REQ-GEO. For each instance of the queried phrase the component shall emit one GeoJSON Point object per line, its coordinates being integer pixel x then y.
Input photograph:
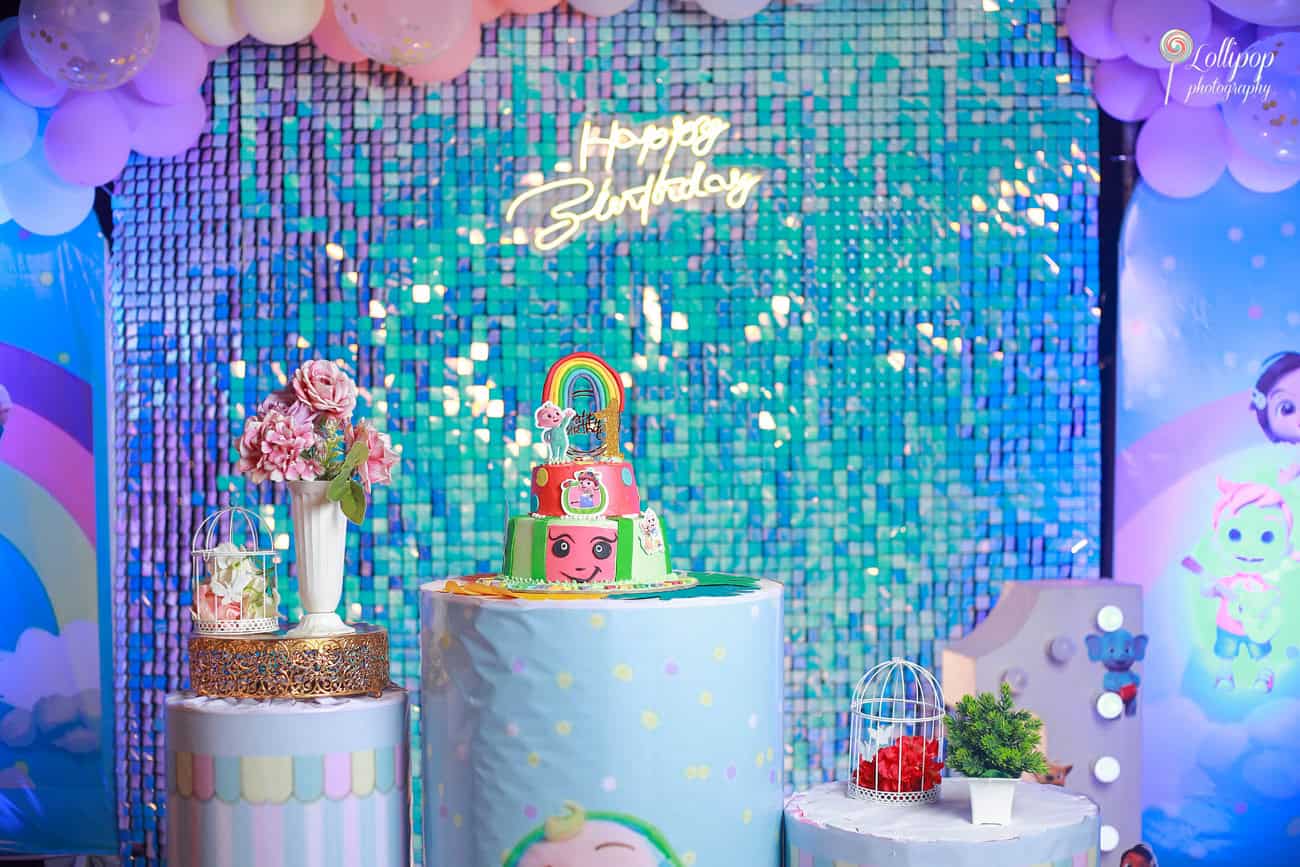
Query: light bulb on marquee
{"type": "Point", "coordinates": [584, 199]}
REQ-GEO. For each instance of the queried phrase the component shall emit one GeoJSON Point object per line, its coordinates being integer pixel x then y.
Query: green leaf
{"type": "Point", "coordinates": [356, 457]}
{"type": "Point", "coordinates": [353, 502]}
{"type": "Point", "coordinates": [338, 488]}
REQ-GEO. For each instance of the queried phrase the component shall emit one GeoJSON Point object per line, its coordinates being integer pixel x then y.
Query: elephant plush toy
{"type": "Point", "coordinates": [1117, 651]}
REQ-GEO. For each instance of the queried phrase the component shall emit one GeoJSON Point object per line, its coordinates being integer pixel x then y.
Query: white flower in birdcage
{"type": "Point", "coordinates": [896, 735]}
{"type": "Point", "coordinates": [234, 574]}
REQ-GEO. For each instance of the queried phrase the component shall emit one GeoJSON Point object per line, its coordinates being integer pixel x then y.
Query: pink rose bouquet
{"type": "Point", "coordinates": [304, 432]}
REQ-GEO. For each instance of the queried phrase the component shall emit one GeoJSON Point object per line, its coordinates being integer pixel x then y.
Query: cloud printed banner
{"type": "Point", "coordinates": [1207, 499]}
{"type": "Point", "coordinates": [56, 722]}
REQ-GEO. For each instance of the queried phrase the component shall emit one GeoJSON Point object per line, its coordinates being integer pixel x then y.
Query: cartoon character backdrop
{"type": "Point", "coordinates": [1207, 499]}
{"type": "Point", "coordinates": [56, 721]}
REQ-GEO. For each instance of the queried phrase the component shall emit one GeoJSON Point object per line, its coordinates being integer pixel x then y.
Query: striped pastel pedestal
{"type": "Point", "coordinates": [1049, 828]}
{"type": "Point", "coordinates": [313, 783]}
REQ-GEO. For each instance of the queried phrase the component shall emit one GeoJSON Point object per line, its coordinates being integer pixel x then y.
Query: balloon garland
{"type": "Point", "coordinates": [1215, 85]}
{"type": "Point", "coordinates": [132, 72]}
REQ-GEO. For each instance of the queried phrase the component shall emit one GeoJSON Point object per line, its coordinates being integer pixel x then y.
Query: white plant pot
{"type": "Point", "coordinates": [320, 532]}
{"type": "Point", "coordinates": [990, 800]}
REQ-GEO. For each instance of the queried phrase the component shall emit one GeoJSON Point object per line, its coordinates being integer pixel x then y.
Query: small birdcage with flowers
{"type": "Point", "coordinates": [897, 730]}
{"type": "Point", "coordinates": [233, 575]}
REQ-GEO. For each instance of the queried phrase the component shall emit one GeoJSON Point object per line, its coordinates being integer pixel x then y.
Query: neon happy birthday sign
{"type": "Point", "coordinates": [581, 200]}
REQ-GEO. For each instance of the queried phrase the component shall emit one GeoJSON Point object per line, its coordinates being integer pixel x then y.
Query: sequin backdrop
{"type": "Point", "coordinates": [877, 382]}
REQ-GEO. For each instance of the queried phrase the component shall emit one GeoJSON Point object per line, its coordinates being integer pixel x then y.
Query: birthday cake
{"type": "Point", "coordinates": [587, 531]}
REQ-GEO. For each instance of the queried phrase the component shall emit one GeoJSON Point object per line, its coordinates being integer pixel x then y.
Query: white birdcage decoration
{"type": "Point", "coordinates": [897, 728]}
{"type": "Point", "coordinates": [233, 575]}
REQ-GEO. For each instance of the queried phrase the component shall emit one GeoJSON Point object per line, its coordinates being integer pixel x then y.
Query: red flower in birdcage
{"type": "Point", "coordinates": [910, 764]}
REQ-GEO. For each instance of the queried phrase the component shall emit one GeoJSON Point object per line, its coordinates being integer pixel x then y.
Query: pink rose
{"type": "Point", "coordinates": [326, 389]}
{"type": "Point", "coordinates": [286, 400]}
{"type": "Point", "coordinates": [272, 447]}
{"type": "Point", "coordinates": [378, 467]}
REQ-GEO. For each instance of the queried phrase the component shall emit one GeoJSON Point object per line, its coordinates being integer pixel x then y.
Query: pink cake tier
{"type": "Point", "coordinates": [585, 487]}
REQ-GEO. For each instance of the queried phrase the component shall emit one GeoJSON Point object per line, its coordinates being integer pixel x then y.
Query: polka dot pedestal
{"type": "Point", "coordinates": [662, 718]}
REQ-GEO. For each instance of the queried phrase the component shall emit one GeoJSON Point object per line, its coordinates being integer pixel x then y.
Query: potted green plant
{"type": "Point", "coordinates": [992, 743]}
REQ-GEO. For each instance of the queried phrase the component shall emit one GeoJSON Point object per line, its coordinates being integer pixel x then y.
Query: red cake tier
{"type": "Point", "coordinates": [585, 488]}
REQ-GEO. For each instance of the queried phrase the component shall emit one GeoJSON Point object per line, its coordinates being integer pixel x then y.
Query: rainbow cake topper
{"type": "Point", "coordinates": [589, 395]}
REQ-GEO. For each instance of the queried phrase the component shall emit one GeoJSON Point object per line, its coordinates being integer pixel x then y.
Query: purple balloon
{"type": "Point", "coordinates": [1262, 176]}
{"type": "Point", "coordinates": [79, 158]}
{"type": "Point", "coordinates": [1205, 77]}
{"type": "Point", "coordinates": [1182, 151]}
{"type": "Point", "coordinates": [1126, 91]}
{"type": "Point", "coordinates": [163, 130]}
{"type": "Point", "coordinates": [1266, 123]}
{"type": "Point", "coordinates": [22, 77]}
{"type": "Point", "coordinates": [177, 68]}
{"type": "Point", "coordinates": [1141, 24]}
{"type": "Point", "coordinates": [1273, 13]}
{"type": "Point", "coordinates": [1088, 23]}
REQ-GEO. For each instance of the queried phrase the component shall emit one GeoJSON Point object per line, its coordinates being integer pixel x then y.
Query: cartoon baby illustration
{"type": "Point", "coordinates": [581, 839]}
{"type": "Point", "coordinates": [580, 552]}
{"type": "Point", "coordinates": [588, 490]}
{"type": "Point", "coordinates": [554, 424]}
{"type": "Point", "coordinates": [1276, 403]}
{"type": "Point", "coordinates": [648, 532]}
{"type": "Point", "coordinates": [1250, 549]}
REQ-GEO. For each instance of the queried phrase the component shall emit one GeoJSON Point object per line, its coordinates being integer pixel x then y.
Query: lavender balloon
{"type": "Point", "coordinates": [1088, 23]}
{"type": "Point", "coordinates": [1141, 24]}
{"type": "Point", "coordinates": [89, 44]}
{"type": "Point", "coordinates": [38, 200]}
{"type": "Point", "coordinates": [163, 130]}
{"type": "Point", "coordinates": [1182, 151]}
{"type": "Point", "coordinates": [733, 10]}
{"type": "Point", "coordinates": [1127, 91]}
{"type": "Point", "coordinates": [79, 158]}
{"type": "Point", "coordinates": [18, 125]}
{"type": "Point", "coordinates": [601, 8]}
{"type": "Point", "coordinates": [1266, 122]}
{"type": "Point", "coordinates": [1262, 176]}
{"type": "Point", "coordinates": [177, 69]}
{"type": "Point", "coordinates": [1274, 13]}
{"type": "Point", "coordinates": [22, 77]}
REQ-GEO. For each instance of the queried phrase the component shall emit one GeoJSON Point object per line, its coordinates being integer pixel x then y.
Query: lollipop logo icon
{"type": "Point", "coordinates": [1176, 45]}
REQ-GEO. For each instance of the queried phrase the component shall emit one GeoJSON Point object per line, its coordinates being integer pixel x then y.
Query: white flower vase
{"type": "Point", "coordinates": [320, 533]}
{"type": "Point", "coordinates": [991, 799]}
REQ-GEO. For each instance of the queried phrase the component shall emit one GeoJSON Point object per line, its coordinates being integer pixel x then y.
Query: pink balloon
{"type": "Point", "coordinates": [1140, 25]}
{"type": "Point", "coordinates": [1262, 176]}
{"type": "Point", "coordinates": [163, 130]}
{"type": "Point", "coordinates": [489, 10]}
{"type": "Point", "coordinates": [452, 62]}
{"type": "Point", "coordinates": [1183, 151]}
{"type": "Point", "coordinates": [732, 10]}
{"type": "Point", "coordinates": [1088, 23]}
{"type": "Point", "coordinates": [404, 32]}
{"type": "Point", "coordinates": [531, 7]}
{"type": "Point", "coordinates": [332, 41]}
{"type": "Point", "coordinates": [1126, 91]}
{"type": "Point", "coordinates": [601, 8]}
{"type": "Point", "coordinates": [177, 68]}
{"type": "Point", "coordinates": [81, 158]}
{"type": "Point", "coordinates": [22, 77]}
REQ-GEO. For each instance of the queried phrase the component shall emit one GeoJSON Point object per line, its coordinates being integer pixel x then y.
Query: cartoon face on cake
{"type": "Point", "coordinates": [576, 839]}
{"type": "Point", "coordinates": [580, 552]}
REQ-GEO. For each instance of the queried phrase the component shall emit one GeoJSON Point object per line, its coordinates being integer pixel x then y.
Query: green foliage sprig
{"type": "Point", "coordinates": [989, 737]}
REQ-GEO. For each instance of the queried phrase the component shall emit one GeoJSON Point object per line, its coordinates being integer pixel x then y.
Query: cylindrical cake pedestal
{"type": "Point", "coordinates": [1050, 827]}
{"type": "Point", "coordinates": [283, 782]}
{"type": "Point", "coordinates": [660, 719]}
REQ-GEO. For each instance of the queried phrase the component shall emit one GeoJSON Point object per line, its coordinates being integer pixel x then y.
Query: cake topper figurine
{"type": "Point", "coordinates": [554, 423]}
{"type": "Point", "coordinates": [586, 388]}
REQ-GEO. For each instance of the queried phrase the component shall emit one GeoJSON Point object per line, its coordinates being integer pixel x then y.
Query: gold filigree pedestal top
{"type": "Point", "coordinates": [276, 666]}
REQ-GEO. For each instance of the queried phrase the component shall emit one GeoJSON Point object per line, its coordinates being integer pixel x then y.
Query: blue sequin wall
{"type": "Point", "coordinates": [877, 381]}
